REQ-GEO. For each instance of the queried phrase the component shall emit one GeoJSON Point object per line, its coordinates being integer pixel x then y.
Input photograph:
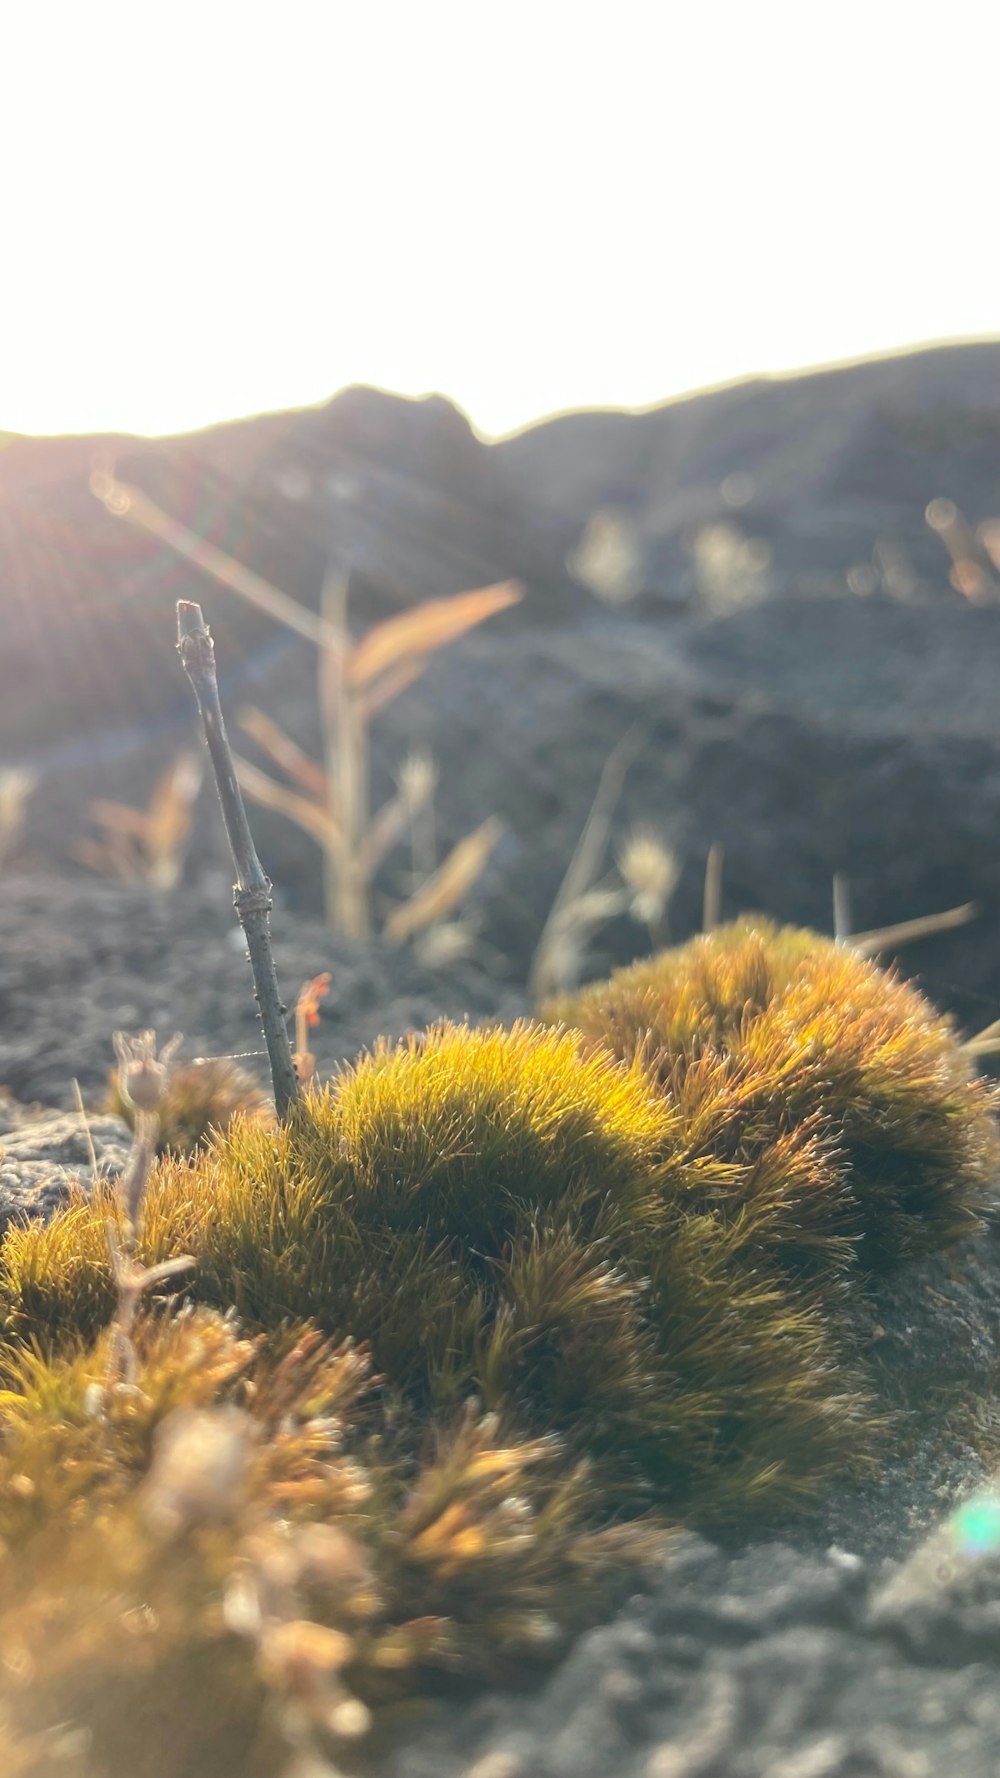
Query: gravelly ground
{"type": "Point", "coordinates": [767, 1664]}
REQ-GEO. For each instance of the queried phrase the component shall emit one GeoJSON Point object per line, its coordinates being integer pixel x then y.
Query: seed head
{"type": "Point", "coordinates": [651, 872]}
{"type": "Point", "coordinates": [142, 1074]}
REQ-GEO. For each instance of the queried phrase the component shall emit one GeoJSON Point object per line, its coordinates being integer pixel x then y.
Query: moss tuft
{"type": "Point", "coordinates": [463, 1337]}
{"type": "Point", "coordinates": [496, 1216]}
{"type": "Point", "coordinates": [55, 1277]}
{"type": "Point", "coordinates": [756, 1033]}
{"type": "Point", "coordinates": [198, 1097]}
{"type": "Point", "coordinates": [219, 1563]}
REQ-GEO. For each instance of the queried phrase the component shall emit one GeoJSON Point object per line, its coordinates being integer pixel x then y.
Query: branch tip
{"type": "Point", "coordinates": [189, 619]}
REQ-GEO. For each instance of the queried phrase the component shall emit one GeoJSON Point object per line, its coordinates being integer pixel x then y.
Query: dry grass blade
{"type": "Point", "coordinates": [463, 865]}
{"type": "Point", "coordinates": [399, 679]}
{"type": "Point", "coordinates": [170, 817]}
{"type": "Point", "coordinates": [985, 1042]}
{"type": "Point", "coordinates": [272, 795]}
{"type": "Point", "coordinates": [711, 902]}
{"type": "Point", "coordinates": [88, 1134]}
{"type": "Point", "coordinates": [558, 967]}
{"type": "Point", "coordinates": [417, 784]}
{"type": "Point", "coordinates": [118, 818]}
{"type": "Point", "coordinates": [16, 786]}
{"type": "Point", "coordinates": [387, 829]}
{"type": "Point", "coordinates": [424, 629]}
{"type": "Point", "coordinates": [147, 845]}
{"type": "Point", "coordinates": [592, 909]}
{"type": "Point", "coordinates": [345, 757]}
{"type": "Point", "coordinates": [548, 968]}
{"type": "Point", "coordinates": [589, 851]}
{"type": "Point", "coordinates": [112, 856]}
{"type": "Point", "coordinates": [842, 908]}
{"type": "Point", "coordinates": [284, 751]}
{"type": "Point", "coordinates": [886, 938]}
{"type": "Point", "coordinates": [126, 501]}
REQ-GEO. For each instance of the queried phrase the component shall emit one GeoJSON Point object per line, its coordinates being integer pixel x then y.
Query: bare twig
{"type": "Point", "coordinates": [143, 1076]}
{"type": "Point", "coordinates": [252, 892]}
{"type": "Point", "coordinates": [132, 1281]}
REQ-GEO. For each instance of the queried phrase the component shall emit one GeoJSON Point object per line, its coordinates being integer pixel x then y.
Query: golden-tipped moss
{"type": "Point", "coordinates": [198, 1097]}
{"type": "Point", "coordinates": [756, 1032]}
{"type": "Point", "coordinates": [502, 1293]}
{"type": "Point", "coordinates": [496, 1215]}
{"type": "Point", "coordinates": [216, 1563]}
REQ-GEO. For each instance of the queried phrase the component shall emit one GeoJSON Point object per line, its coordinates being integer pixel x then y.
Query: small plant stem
{"type": "Point", "coordinates": [842, 917]}
{"type": "Point", "coordinates": [545, 975]}
{"type": "Point", "coordinates": [345, 741]}
{"type": "Point", "coordinates": [252, 891]}
{"type": "Point", "coordinates": [711, 904]}
{"type": "Point", "coordinates": [132, 1186]}
{"type": "Point", "coordinates": [423, 842]}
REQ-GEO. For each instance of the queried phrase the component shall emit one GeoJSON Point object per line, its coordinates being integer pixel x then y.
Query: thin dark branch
{"type": "Point", "coordinates": [252, 891]}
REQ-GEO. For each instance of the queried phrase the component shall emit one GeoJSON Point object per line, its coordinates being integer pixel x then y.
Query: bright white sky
{"type": "Point", "coordinates": [214, 208]}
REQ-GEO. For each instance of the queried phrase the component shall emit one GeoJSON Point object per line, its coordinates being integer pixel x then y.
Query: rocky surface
{"type": "Point", "coordinates": [76, 968]}
{"type": "Point", "coordinates": [830, 475]}
{"type": "Point", "coordinates": [809, 716]}
{"type": "Point", "coordinates": [42, 1152]}
{"type": "Point", "coordinates": [767, 1664]}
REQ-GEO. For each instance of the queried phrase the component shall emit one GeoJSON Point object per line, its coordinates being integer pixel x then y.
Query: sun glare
{"type": "Point", "coordinates": [214, 210]}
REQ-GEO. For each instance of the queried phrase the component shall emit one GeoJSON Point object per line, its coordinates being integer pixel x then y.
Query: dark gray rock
{"type": "Point", "coordinates": [943, 1602]}
{"type": "Point", "coordinates": [818, 731]}
{"type": "Point", "coordinates": [42, 1152]}
{"type": "Point", "coordinates": [764, 1665]}
{"type": "Point", "coordinates": [86, 958]}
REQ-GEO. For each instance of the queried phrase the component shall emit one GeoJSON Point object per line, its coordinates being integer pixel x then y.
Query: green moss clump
{"type": "Point", "coordinates": [781, 1030]}
{"type": "Point", "coordinates": [198, 1097]}
{"type": "Point", "coordinates": [55, 1277]}
{"type": "Point", "coordinates": [513, 1303]}
{"type": "Point", "coordinates": [496, 1216]}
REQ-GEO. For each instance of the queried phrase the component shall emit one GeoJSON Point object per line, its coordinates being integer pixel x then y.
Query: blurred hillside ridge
{"type": "Point", "coordinates": [797, 486]}
{"type": "Point", "coordinates": [793, 585]}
